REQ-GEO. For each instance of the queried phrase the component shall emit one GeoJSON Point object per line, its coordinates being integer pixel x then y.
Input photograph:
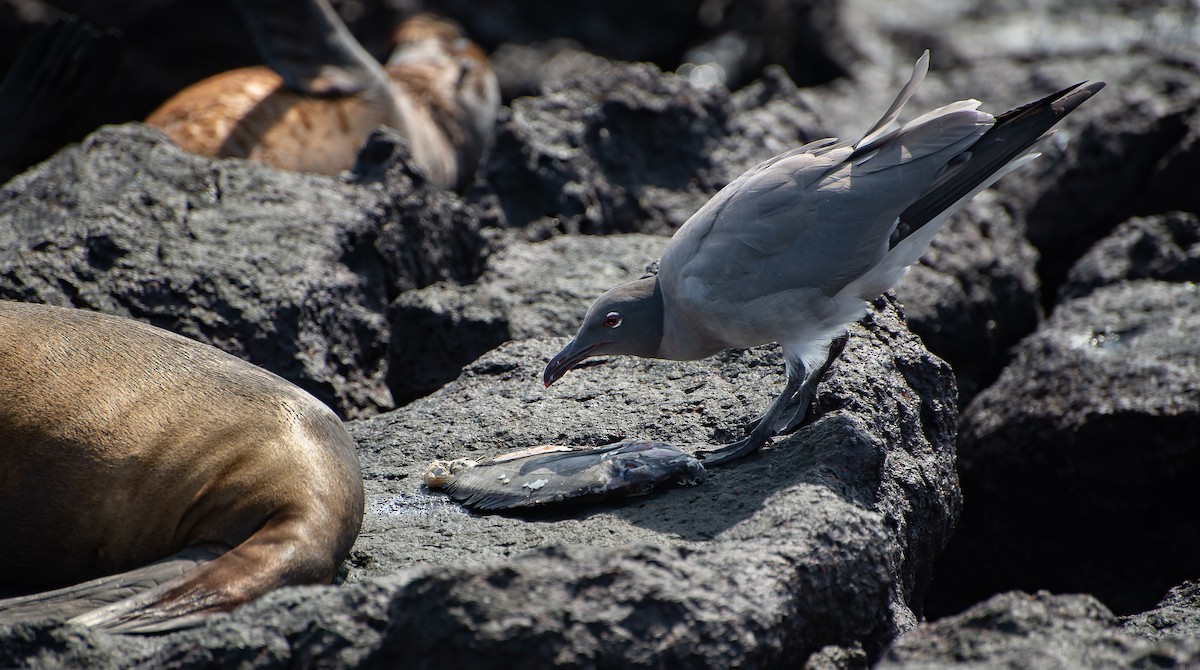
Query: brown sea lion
{"type": "Point", "coordinates": [122, 445]}
{"type": "Point", "coordinates": [323, 94]}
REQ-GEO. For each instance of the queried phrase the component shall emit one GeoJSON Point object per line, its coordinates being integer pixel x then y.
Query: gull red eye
{"type": "Point", "coordinates": [612, 320]}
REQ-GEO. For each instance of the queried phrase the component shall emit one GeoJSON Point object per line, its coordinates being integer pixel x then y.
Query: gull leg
{"type": "Point", "coordinates": [787, 410]}
{"type": "Point", "coordinates": [764, 430]}
{"type": "Point", "coordinates": [798, 408]}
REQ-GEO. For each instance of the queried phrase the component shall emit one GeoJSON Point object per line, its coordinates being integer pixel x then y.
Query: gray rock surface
{"type": "Point", "coordinates": [1165, 247]}
{"type": "Point", "coordinates": [1045, 631]}
{"type": "Point", "coordinates": [972, 296]}
{"type": "Point", "coordinates": [1130, 151]}
{"type": "Point", "coordinates": [590, 168]}
{"type": "Point", "coordinates": [1177, 616]}
{"type": "Point", "coordinates": [292, 272]}
{"type": "Point", "coordinates": [1087, 450]}
{"type": "Point", "coordinates": [526, 290]}
{"type": "Point", "coordinates": [1119, 159]}
{"type": "Point", "coordinates": [1078, 453]}
{"type": "Point", "coordinates": [627, 148]}
{"type": "Point", "coordinates": [826, 539]}
{"type": "Point", "coordinates": [975, 292]}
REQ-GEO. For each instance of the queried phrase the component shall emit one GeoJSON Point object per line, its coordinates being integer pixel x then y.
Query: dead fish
{"type": "Point", "coordinates": [551, 474]}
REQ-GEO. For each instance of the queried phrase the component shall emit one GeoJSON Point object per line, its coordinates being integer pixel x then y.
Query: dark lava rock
{"type": "Point", "coordinates": [1079, 464]}
{"type": "Point", "coordinates": [1177, 616]}
{"type": "Point", "coordinates": [527, 69]}
{"type": "Point", "coordinates": [170, 44]}
{"type": "Point", "coordinates": [526, 290]}
{"type": "Point", "coordinates": [1129, 151]}
{"type": "Point", "coordinates": [1019, 630]}
{"type": "Point", "coordinates": [808, 38]}
{"type": "Point", "coordinates": [975, 292]}
{"type": "Point", "coordinates": [628, 30]}
{"type": "Point", "coordinates": [1077, 460]}
{"type": "Point", "coordinates": [967, 33]}
{"type": "Point", "coordinates": [61, 71]}
{"type": "Point", "coordinates": [292, 272]}
{"type": "Point", "coordinates": [167, 45]}
{"type": "Point", "coordinates": [1163, 247]}
{"type": "Point", "coordinates": [628, 148]}
{"type": "Point", "coordinates": [1127, 155]}
{"type": "Point", "coordinates": [972, 296]}
{"type": "Point", "coordinates": [657, 148]}
{"type": "Point", "coordinates": [823, 543]}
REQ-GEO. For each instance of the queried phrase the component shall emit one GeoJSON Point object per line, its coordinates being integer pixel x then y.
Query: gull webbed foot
{"type": "Point", "coordinates": [750, 444]}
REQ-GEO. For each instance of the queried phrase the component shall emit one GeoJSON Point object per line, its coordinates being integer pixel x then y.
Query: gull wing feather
{"type": "Point", "coordinates": [807, 223]}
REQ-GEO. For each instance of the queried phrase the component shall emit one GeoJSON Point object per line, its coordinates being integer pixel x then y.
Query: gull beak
{"type": "Point", "coordinates": [569, 357]}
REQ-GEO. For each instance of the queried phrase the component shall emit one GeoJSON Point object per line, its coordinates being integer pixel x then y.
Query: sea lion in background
{"type": "Point", "coordinates": [323, 94]}
{"type": "Point", "coordinates": [122, 444]}
{"type": "Point", "coordinates": [61, 70]}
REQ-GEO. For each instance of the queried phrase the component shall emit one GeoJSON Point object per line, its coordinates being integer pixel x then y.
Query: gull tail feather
{"type": "Point", "coordinates": [1000, 150]}
{"type": "Point", "coordinates": [1009, 138]}
{"type": "Point", "coordinates": [876, 133]}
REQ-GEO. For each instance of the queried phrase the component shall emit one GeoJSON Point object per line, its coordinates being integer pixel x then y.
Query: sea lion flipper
{"type": "Point", "coordinates": [79, 599]}
{"type": "Point", "coordinates": [309, 46]}
{"type": "Point", "coordinates": [237, 576]}
{"type": "Point", "coordinates": [59, 71]}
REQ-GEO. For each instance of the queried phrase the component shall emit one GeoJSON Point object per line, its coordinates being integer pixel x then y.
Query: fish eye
{"type": "Point", "coordinates": [612, 320]}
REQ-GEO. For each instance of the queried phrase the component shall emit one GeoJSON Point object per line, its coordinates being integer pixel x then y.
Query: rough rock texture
{"type": "Point", "coordinates": [627, 148]}
{"type": "Point", "coordinates": [1121, 159]}
{"type": "Point", "coordinates": [1082, 435]}
{"type": "Point", "coordinates": [1177, 616]}
{"type": "Point", "coordinates": [825, 539]}
{"type": "Point", "coordinates": [1163, 247]}
{"type": "Point", "coordinates": [659, 147]}
{"type": "Point", "coordinates": [1130, 151]}
{"type": "Point", "coordinates": [1087, 449]}
{"type": "Point", "coordinates": [974, 294]}
{"type": "Point", "coordinates": [292, 272]}
{"type": "Point", "coordinates": [1019, 630]}
{"type": "Point", "coordinates": [526, 290]}
{"type": "Point", "coordinates": [170, 44]}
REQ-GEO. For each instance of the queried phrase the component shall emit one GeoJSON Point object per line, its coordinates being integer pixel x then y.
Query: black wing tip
{"type": "Point", "coordinates": [1060, 103]}
{"type": "Point", "coordinates": [1076, 96]}
{"type": "Point", "coordinates": [1011, 135]}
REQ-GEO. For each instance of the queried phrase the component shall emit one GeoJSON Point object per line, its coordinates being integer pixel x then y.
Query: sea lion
{"type": "Point", "coordinates": [124, 444]}
{"type": "Point", "coordinates": [323, 94]}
